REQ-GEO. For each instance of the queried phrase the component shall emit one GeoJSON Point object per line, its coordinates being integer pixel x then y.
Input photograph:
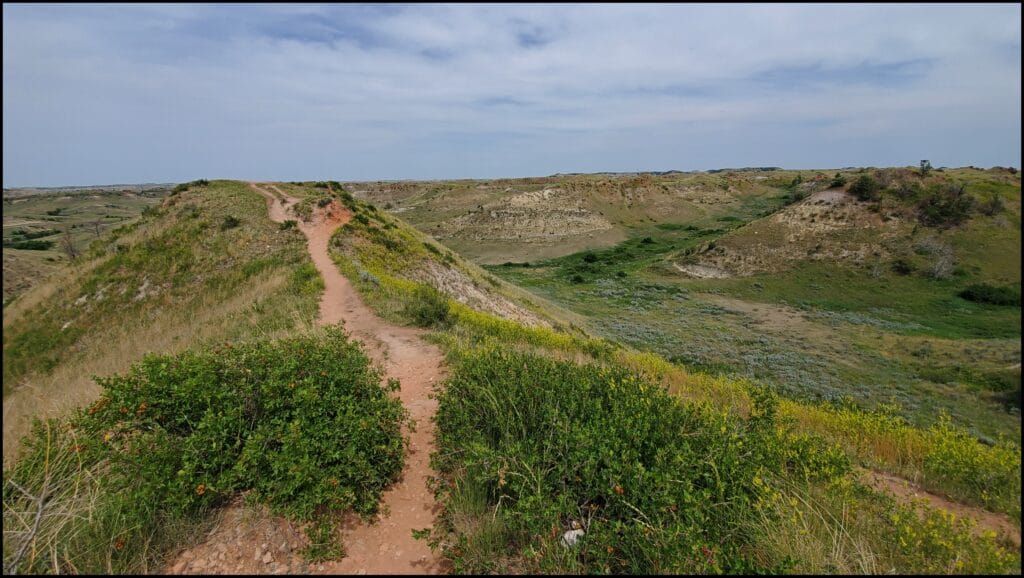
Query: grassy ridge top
{"type": "Point", "coordinates": [204, 266]}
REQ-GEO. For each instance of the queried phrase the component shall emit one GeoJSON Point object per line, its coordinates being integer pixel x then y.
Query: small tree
{"type": "Point", "coordinates": [926, 166]}
{"type": "Point", "coordinates": [68, 245]}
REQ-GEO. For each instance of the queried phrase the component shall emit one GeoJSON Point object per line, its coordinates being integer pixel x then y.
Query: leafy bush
{"type": "Point", "coordinates": [991, 476]}
{"type": "Point", "coordinates": [428, 307]}
{"type": "Point", "coordinates": [348, 200]}
{"type": "Point", "coordinates": [181, 188]}
{"type": "Point", "coordinates": [992, 206]}
{"type": "Point", "coordinates": [866, 188]}
{"type": "Point", "coordinates": [589, 257]}
{"type": "Point", "coordinates": [29, 245]}
{"type": "Point", "coordinates": [303, 423]}
{"type": "Point", "coordinates": [288, 224]}
{"type": "Point", "coordinates": [229, 222]}
{"type": "Point", "coordinates": [902, 267]}
{"type": "Point", "coordinates": [657, 486]}
{"type": "Point", "coordinates": [945, 206]}
{"type": "Point", "coordinates": [985, 293]}
{"type": "Point", "coordinates": [23, 234]}
{"type": "Point", "coordinates": [837, 181]}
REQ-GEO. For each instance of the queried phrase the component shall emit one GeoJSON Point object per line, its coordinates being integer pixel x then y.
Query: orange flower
{"type": "Point", "coordinates": [201, 489]}
{"type": "Point", "coordinates": [142, 409]}
{"type": "Point", "coordinates": [124, 409]}
{"type": "Point", "coordinates": [333, 482]}
{"type": "Point", "coordinates": [610, 550]}
{"type": "Point", "coordinates": [119, 544]}
{"type": "Point", "coordinates": [619, 490]}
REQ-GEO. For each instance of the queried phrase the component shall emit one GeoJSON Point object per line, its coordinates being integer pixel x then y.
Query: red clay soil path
{"type": "Point", "coordinates": [384, 547]}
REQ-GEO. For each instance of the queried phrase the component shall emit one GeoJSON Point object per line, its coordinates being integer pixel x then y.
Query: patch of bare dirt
{"type": "Point", "coordinates": [532, 216]}
{"type": "Point", "coordinates": [385, 546]}
{"type": "Point", "coordinates": [703, 271]}
{"type": "Point", "coordinates": [906, 492]}
{"type": "Point", "coordinates": [461, 288]}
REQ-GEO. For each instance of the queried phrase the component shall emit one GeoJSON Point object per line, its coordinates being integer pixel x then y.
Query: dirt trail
{"type": "Point", "coordinates": [904, 491]}
{"type": "Point", "coordinates": [240, 545]}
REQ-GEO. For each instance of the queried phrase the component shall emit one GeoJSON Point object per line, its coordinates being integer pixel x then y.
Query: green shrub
{"type": "Point", "coordinates": [428, 307]}
{"type": "Point", "coordinates": [29, 245]}
{"type": "Point", "coordinates": [288, 224]}
{"type": "Point", "coordinates": [837, 181]}
{"type": "Point", "coordinates": [945, 206]}
{"type": "Point", "coordinates": [902, 267]}
{"type": "Point", "coordinates": [985, 293]}
{"type": "Point", "coordinates": [349, 200]}
{"type": "Point", "coordinates": [992, 206]}
{"type": "Point", "coordinates": [657, 485]}
{"type": "Point", "coordinates": [229, 222]}
{"type": "Point", "coordinates": [866, 188]}
{"type": "Point", "coordinates": [589, 258]}
{"type": "Point", "coordinates": [990, 475]}
{"type": "Point", "coordinates": [304, 424]}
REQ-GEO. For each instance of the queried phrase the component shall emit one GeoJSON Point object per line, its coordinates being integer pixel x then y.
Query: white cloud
{"type": "Point", "coordinates": [356, 92]}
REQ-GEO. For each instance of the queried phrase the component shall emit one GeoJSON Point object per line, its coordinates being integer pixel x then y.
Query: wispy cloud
{"type": "Point", "coordinates": [170, 92]}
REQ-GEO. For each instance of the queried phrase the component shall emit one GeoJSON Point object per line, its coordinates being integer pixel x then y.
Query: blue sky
{"type": "Point", "coordinates": [168, 93]}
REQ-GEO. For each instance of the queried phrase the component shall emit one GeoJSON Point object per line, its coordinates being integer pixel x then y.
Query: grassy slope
{"type": "Point", "coordinates": [629, 205]}
{"type": "Point", "coordinates": [173, 280]}
{"type": "Point", "coordinates": [819, 330]}
{"type": "Point", "coordinates": [82, 213]}
{"type": "Point", "coordinates": [477, 540]}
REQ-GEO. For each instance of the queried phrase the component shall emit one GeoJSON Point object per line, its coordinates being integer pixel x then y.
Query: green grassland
{"type": "Point", "coordinates": [85, 215]}
{"type": "Point", "coordinates": [573, 416]}
{"type": "Point", "coordinates": [818, 330]}
{"type": "Point", "coordinates": [542, 430]}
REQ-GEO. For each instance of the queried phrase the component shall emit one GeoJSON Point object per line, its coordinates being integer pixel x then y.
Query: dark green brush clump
{"type": "Point", "coordinates": [303, 425]}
